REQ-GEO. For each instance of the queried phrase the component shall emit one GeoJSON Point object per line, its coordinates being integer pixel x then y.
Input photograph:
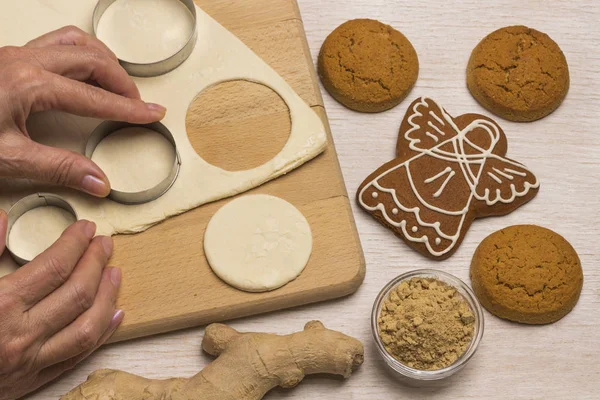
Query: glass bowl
{"type": "Point", "coordinates": [415, 375]}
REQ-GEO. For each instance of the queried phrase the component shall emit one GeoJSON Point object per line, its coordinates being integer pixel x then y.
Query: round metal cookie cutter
{"type": "Point", "coordinates": [159, 67]}
{"type": "Point", "coordinates": [29, 203]}
{"type": "Point", "coordinates": [108, 127]}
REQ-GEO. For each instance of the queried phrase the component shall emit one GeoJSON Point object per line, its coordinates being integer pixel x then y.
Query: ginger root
{"type": "Point", "coordinates": [248, 366]}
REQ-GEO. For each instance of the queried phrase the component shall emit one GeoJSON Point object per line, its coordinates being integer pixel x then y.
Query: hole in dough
{"type": "Point", "coordinates": [135, 158]}
{"type": "Point", "coordinates": [238, 125]}
{"type": "Point", "coordinates": [38, 229]}
{"type": "Point", "coordinates": [145, 31]}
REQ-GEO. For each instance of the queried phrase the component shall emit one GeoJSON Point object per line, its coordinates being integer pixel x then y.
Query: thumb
{"type": "Point", "coordinates": [65, 168]}
{"type": "Point", "coordinates": [3, 227]}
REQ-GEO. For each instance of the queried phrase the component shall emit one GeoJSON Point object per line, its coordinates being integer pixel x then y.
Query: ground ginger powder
{"type": "Point", "coordinates": [426, 324]}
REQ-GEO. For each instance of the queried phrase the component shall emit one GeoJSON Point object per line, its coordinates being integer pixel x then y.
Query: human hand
{"type": "Point", "coordinates": [71, 71]}
{"type": "Point", "coordinates": [56, 310]}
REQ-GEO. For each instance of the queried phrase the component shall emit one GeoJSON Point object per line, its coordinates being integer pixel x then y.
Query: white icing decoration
{"type": "Point", "coordinates": [433, 178]}
{"type": "Point", "coordinates": [438, 119]}
{"type": "Point", "coordinates": [470, 165]}
{"type": "Point", "coordinates": [494, 177]}
{"type": "Point", "coordinates": [441, 189]}
{"type": "Point", "coordinates": [512, 171]}
{"type": "Point", "coordinates": [507, 176]}
{"type": "Point", "coordinates": [425, 203]}
{"type": "Point", "coordinates": [432, 136]}
{"type": "Point", "coordinates": [375, 195]}
{"type": "Point", "coordinates": [395, 211]}
{"type": "Point", "coordinates": [436, 128]}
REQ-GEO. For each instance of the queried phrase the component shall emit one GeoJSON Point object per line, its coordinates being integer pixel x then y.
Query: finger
{"type": "Point", "coordinates": [50, 373]}
{"type": "Point", "coordinates": [52, 268]}
{"type": "Point", "coordinates": [70, 36]}
{"type": "Point", "coordinates": [115, 322]}
{"type": "Point", "coordinates": [86, 63]}
{"type": "Point", "coordinates": [58, 166]}
{"type": "Point", "coordinates": [76, 295]}
{"type": "Point", "coordinates": [3, 227]}
{"type": "Point", "coordinates": [86, 332]}
{"type": "Point", "coordinates": [58, 92]}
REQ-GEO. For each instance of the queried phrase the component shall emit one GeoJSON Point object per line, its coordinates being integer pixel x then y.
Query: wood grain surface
{"type": "Point", "coordinates": [558, 361]}
{"type": "Point", "coordinates": [231, 125]}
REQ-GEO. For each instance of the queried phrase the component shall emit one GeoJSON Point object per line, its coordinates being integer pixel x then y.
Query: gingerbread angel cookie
{"type": "Point", "coordinates": [449, 171]}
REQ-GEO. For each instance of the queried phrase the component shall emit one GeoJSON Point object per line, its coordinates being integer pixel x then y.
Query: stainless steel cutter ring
{"type": "Point", "coordinates": [26, 204]}
{"type": "Point", "coordinates": [160, 67]}
{"type": "Point", "coordinates": [145, 196]}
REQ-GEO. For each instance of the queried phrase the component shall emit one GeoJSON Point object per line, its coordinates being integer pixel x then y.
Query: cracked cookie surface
{"type": "Point", "coordinates": [368, 66]}
{"type": "Point", "coordinates": [518, 73]}
{"type": "Point", "coordinates": [527, 274]}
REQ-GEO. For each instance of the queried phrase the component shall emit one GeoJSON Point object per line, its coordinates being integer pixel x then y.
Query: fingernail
{"type": "Point", "coordinates": [95, 186]}
{"type": "Point", "coordinates": [157, 108]}
{"type": "Point", "coordinates": [115, 276]}
{"type": "Point", "coordinates": [90, 229]}
{"type": "Point", "coordinates": [116, 319]}
{"type": "Point", "coordinates": [107, 243]}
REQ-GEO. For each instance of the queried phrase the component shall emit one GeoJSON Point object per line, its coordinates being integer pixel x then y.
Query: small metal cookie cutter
{"type": "Point", "coordinates": [28, 203]}
{"type": "Point", "coordinates": [160, 67]}
{"type": "Point", "coordinates": [145, 196]}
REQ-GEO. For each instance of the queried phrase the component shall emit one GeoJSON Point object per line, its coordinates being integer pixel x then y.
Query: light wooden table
{"type": "Point", "coordinates": [559, 361]}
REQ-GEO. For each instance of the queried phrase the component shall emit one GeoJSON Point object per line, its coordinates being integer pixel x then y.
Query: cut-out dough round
{"type": "Point", "coordinates": [135, 159]}
{"type": "Point", "coordinates": [258, 243]}
{"type": "Point", "coordinates": [145, 31]}
{"type": "Point", "coordinates": [38, 229]}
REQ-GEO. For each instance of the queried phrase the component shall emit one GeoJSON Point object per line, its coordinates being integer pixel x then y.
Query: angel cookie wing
{"type": "Point", "coordinates": [425, 125]}
{"type": "Point", "coordinates": [504, 185]}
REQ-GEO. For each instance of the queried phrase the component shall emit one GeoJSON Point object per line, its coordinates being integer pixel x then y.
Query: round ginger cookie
{"type": "Point", "coordinates": [518, 73]}
{"type": "Point", "coordinates": [368, 66]}
{"type": "Point", "coordinates": [527, 274]}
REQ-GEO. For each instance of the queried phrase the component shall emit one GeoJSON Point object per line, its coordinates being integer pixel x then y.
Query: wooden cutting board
{"type": "Point", "coordinates": [167, 283]}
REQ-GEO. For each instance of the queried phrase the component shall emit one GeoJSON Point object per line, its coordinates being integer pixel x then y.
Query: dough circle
{"type": "Point", "coordinates": [258, 243]}
{"type": "Point", "coordinates": [145, 31]}
{"type": "Point", "coordinates": [135, 159]}
{"type": "Point", "coordinates": [36, 230]}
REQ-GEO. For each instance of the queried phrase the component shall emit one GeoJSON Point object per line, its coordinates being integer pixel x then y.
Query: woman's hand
{"type": "Point", "coordinates": [56, 310]}
{"type": "Point", "coordinates": [71, 71]}
{"type": "Point", "coordinates": [60, 307]}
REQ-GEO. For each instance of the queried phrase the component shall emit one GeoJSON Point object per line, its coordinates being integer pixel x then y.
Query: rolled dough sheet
{"type": "Point", "coordinates": [219, 56]}
{"type": "Point", "coordinates": [258, 243]}
{"type": "Point", "coordinates": [145, 31]}
{"type": "Point", "coordinates": [37, 230]}
{"type": "Point", "coordinates": [135, 159]}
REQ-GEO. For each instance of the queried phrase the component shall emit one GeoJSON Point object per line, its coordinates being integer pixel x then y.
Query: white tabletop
{"type": "Point", "coordinates": [514, 361]}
